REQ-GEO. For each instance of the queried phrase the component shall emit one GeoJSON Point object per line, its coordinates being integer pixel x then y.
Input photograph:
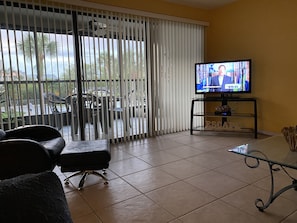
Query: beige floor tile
{"type": "Point", "coordinates": [244, 199]}
{"type": "Point", "coordinates": [174, 135]}
{"type": "Point", "coordinates": [128, 166]}
{"type": "Point", "coordinates": [182, 169]}
{"type": "Point", "coordinates": [159, 158]}
{"type": "Point", "coordinates": [175, 221]}
{"type": "Point", "coordinates": [77, 205]}
{"type": "Point", "coordinates": [57, 171]}
{"type": "Point", "coordinates": [239, 170]}
{"type": "Point", "coordinates": [291, 172]}
{"type": "Point", "coordinates": [90, 180]}
{"type": "Point", "coordinates": [129, 144]}
{"type": "Point", "coordinates": [211, 160]}
{"type": "Point", "coordinates": [224, 154]}
{"type": "Point", "coordinates": [142, 149]}
{"type": "Point", "coordinates": [291, 218]}
{"type": "Point", "coordinates": [66, 187]}
{"type": "Point", "coordinates": [183, 151]}
{"type": "Point", "coordinates": [180, 198]}
{"type": "Point", "coordinates": [119, 154]}
{"type": "Point", "coordinates": [281, 180]}
{"type": "Point", "coordinates": [135, 210]}
{"type": "Point", "coordinates": [180, 178]}
{"type": "Point", "coordinates": [218, 212]}
{"type": "Point", "coordinates": [214, 143]}
{"type": "Point", "coordinates": [163, 144]}
{"type": "Point", "coordinates": [100, 196]}
{"type": "Point", "coordinates": [90, 218]}
{"type": "Point", "coordinates": [150, 179]}
{"type": "Point", "coordinates": [215, 183]}
{"type": "Point", "coordinates": [206, 145]}
{"type": "Point", "coordinates": [189, 139]}
{"type": "Point", "coordinates": [230, 141]}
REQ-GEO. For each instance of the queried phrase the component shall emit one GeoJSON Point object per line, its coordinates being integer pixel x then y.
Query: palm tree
{"type": "Point", "coordinates": [38, 45]}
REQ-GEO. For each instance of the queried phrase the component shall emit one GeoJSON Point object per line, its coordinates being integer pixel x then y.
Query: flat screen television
{"type": "Point", "coordinates": [223, 77]}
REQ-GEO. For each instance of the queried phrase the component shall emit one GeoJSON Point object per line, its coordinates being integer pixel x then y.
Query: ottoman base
{"type": "Point", "coordinates": [84, 174]}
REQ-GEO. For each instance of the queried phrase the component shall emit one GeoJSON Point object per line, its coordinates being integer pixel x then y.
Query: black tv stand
{"type": "Point", "coordinates": [246, 109]}
{"type": "Point", "coordinates": [223, 96]}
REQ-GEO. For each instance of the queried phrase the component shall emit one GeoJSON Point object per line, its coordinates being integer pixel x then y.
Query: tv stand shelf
{"type": "Point", "coordinates": [224, 125]}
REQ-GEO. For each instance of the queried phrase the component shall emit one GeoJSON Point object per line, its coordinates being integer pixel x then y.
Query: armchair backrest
{"type": "Point", "coordinates": [34, 132]}
{"type": "Point", "coordinates": [20, 156]}
{"type": "Point", "coordinates": [29, 149]}
{"type": "Point", "coordinates": [2, 134]}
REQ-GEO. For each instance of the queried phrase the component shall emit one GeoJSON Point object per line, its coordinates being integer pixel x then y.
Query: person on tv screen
{"type": "Point", "coordinates": [247, 82]}
{"type": "Point", "coordinates": [219, 81]}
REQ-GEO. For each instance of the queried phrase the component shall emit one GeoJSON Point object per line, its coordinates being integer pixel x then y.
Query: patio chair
{"type": "Point", "coordinates": [112, 109]}
{"type": "Point", "coordinates": [91, 109]}
{"type": "Point", "coordinates": [55, 103]}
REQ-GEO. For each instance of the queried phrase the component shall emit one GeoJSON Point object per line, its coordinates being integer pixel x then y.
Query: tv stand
{"type": "Point", "coordinates": [223, 96]}
{"type": "Point", "coordinates": [224, 122]}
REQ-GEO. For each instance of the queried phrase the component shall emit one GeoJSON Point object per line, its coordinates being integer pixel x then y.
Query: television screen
{"type": "Point", "coordinates": [223, 77]}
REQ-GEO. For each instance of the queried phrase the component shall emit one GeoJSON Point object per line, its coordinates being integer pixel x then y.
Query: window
{"type": "Point", "coordinates": [139, 69]}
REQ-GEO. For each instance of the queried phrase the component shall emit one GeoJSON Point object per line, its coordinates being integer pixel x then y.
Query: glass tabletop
{"type": "Point", "coordinates": [274, 149]}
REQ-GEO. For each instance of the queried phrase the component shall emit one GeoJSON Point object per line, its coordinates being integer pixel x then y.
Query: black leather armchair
{"type": "Point", "coordinates": [29, 149]}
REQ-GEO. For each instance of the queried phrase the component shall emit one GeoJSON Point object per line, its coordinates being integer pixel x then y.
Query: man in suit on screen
{"type": "Point", "coordinates": [219, 81]}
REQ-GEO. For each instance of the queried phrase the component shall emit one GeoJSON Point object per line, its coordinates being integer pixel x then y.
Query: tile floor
{"type": "Point", "coordinates": [180, 178]}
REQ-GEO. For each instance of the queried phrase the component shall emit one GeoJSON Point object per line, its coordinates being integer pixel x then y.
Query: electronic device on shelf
{"type": "Point", "coordinates": [226, 78]}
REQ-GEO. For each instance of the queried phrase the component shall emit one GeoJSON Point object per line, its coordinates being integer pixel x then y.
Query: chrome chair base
{"type": "Point", "coordinates": [84, 174]}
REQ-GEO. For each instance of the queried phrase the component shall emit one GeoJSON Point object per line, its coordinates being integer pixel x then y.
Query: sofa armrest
{"type": "Point", "coordinates": [34, 198]}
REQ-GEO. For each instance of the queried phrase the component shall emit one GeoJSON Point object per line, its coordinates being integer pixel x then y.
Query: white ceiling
{"type": "Point", "coordinates": [204, 4]}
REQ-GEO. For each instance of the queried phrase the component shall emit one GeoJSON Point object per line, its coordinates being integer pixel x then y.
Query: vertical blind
{"type": "Point", "coordinates": [141, 69]}
{"type": "Point", "coordinates": [176, 47]}
{"type": "Point", "coordinates": [116, 45]}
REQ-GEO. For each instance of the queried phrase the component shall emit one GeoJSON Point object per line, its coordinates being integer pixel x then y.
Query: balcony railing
{"type": "Point", "coordinates": [21, 107]}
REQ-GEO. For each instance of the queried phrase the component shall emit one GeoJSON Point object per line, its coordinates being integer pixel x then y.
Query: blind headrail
{"type": "Point", "coordinates": [132, 11]}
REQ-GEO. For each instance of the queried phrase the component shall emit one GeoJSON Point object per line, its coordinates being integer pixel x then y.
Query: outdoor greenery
{"type": "Point", "coordinates": [39, 46]}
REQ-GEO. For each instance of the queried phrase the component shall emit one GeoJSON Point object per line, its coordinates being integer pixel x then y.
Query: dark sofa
{"type": "Point", "coordinates": [34, 198]}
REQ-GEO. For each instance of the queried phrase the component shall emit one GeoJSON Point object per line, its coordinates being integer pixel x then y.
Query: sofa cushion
{"type": "Point", "coordinates": [33, 198]}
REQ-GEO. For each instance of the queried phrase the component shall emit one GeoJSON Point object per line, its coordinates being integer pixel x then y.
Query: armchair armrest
{"type": "Point", "coordinates": [20, 156]}
{"type": "Point", "coordinates": [34, 198]}
{"type": "Point", "coordinates": [34, 132]}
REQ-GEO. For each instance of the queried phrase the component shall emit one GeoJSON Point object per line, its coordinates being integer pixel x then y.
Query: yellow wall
{"type": "Point", "coordinates": [263, 30]}
{"type": "Point", "coordinates": [159, 7]}
{"type": "Point", "coordinates": [266, 32]}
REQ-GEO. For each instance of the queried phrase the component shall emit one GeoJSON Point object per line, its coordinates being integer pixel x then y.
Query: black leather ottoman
{"type": "Point", "coordinates": [85, 157]}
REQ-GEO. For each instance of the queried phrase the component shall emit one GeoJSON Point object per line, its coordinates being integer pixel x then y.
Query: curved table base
{"type": "Point", "coordinates": [259, 202]}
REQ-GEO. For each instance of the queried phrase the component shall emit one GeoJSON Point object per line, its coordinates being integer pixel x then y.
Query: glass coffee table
{"type": "Point", "coordinates": [276, 153]}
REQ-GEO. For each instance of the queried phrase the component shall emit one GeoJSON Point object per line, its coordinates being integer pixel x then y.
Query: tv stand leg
{"type": "Point", "coordinates": [224, 102]}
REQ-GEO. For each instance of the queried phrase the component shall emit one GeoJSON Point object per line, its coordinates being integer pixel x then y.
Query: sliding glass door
{"type": "Point", "coordinates": [50, 55]}
{"type": "Point", "coordinates": [95, 74]}
{"type": "Point", "coordinates": [35, 62]}
{"type": "Point", "coordinates": [112, 57]}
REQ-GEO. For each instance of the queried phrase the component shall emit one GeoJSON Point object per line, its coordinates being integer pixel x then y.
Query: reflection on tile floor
{"type": "Point", "coordinates": [180, 178]}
